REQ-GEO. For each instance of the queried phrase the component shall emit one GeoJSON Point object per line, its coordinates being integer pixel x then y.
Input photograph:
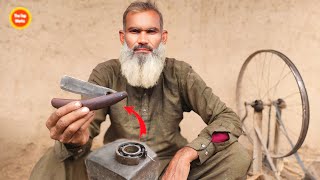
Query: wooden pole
{"type": "Point", "coordinates": [257, 151]}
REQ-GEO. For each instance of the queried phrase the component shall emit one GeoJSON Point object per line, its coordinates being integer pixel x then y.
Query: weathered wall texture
{"type": "Point", "coordinates": [71, 37]}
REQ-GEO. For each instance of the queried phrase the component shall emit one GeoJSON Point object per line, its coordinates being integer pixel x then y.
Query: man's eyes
{"type": "Point", "coordinates": [148, 31]}
{"type": "Point", "coordinates": [151, 31]}
{"type": "Point", "coordinates": [135, 31]}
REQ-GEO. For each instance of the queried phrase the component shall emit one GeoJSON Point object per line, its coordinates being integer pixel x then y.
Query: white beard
{"type": "Point", "coordinates": [142, 69]}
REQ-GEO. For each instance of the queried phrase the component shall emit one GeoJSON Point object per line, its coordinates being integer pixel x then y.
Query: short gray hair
{"type": "Point", "coordinates": [140, 6]}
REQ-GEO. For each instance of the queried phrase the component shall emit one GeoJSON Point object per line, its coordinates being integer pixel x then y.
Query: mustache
{"type": "Point", "coordinates": [142, 46]}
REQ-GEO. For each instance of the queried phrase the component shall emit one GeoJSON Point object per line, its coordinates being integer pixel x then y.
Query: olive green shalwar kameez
{"type": "Point", "coordinates": [179, 89]}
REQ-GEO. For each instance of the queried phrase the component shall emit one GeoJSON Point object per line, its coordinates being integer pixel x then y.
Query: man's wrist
{"type": "Point", "coordinates": [189, 153]}
{"type": "Point", "coordinates": [78, 150]}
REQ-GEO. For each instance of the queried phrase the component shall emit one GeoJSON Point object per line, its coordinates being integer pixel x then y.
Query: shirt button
{"type": "Point", "coordinates": [206, 153]}
{"type": "Point", "coordinates": [202, 145]}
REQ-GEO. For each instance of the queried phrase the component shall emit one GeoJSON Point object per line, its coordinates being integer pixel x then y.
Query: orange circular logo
{"type": "Point", "coordinates": [20, 18]}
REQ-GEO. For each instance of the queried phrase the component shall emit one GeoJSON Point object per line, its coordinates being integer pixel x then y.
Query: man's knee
{"type": "Point", "coordinates": [51, 166]}
{"type": "Point", "coordinates": [48, 166]}
{"type": "Point", "coordinates": [239, 159]}
{"type": "Point", "coordinates": [232, 162]}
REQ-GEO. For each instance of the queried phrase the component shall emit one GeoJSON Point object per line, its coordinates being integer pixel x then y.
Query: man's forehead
{"type": "Point", "coordinates": [144, 20]}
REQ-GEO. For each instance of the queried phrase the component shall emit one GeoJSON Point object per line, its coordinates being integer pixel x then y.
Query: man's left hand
{"type": "Point", "coordinates": [179, 166]}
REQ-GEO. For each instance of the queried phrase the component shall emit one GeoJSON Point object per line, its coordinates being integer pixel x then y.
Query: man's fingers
{"type": "Point", "coordinates": [62, 111]}
{"type": "Point", "coordinates": [87, 123]}
{"type": "Point", "coordinates": [72, 129]}
{"type": "Point", "coordinates": [82, 135]}
{"type": "Point", "coordinates": [68, 119]}
{"type": "Point", "coordinates": [57, 130]}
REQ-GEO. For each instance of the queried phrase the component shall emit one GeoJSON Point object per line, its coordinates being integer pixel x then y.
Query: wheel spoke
{"type": "Point", "coordinates": [275, 89]}
{"type": "Point", "coordinates": [269, 75]}
{"type": "Point", "coordinates": [275, 85]}
{"type": "Point", "coordinates": [256, 75]}
{"type": "Point", "coordinates": [290, 95]}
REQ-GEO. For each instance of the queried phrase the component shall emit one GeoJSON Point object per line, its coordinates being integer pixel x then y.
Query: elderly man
{"type": "Point", "coordinates": [161, 89]}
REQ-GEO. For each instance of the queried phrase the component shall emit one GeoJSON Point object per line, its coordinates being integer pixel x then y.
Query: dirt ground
{"type": "Point", "coordinates": [19, 165]}
{"type": "Point", "coordinates": [214, 36]}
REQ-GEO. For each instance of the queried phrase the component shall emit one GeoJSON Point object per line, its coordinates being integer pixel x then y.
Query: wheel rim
{"type": "Point", "coordinates": [257, 80]}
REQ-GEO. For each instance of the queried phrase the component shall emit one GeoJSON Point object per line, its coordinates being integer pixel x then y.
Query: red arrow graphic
{"type": "Point", "coordinates": [130, 110]}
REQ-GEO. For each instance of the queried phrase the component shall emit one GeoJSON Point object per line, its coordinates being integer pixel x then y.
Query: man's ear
{"type": "Point", "coordinates": [121, 36]}
{"type": "Point", "coordinates": [164, 36]}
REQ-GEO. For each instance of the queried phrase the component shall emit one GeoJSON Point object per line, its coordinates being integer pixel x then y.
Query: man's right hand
{"type": "Point", "coordinates": [69, 124]}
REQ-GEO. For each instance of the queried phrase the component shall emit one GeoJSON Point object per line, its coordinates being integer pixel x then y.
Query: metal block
{"type": "Point", "coordinates": [122, 159]}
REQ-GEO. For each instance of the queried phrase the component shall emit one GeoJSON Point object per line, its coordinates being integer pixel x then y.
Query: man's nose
{"type": "Point", "coordinates": [143, 39]}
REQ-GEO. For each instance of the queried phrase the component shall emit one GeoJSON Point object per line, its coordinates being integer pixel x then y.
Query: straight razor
{"type": "Point", "coordinates": [78, 86]}
{"type": "Point", "coordinates": [101, 96]}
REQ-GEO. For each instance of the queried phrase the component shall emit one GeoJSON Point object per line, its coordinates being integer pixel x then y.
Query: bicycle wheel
{"type": "Point", "coordinates": [271, 77]}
